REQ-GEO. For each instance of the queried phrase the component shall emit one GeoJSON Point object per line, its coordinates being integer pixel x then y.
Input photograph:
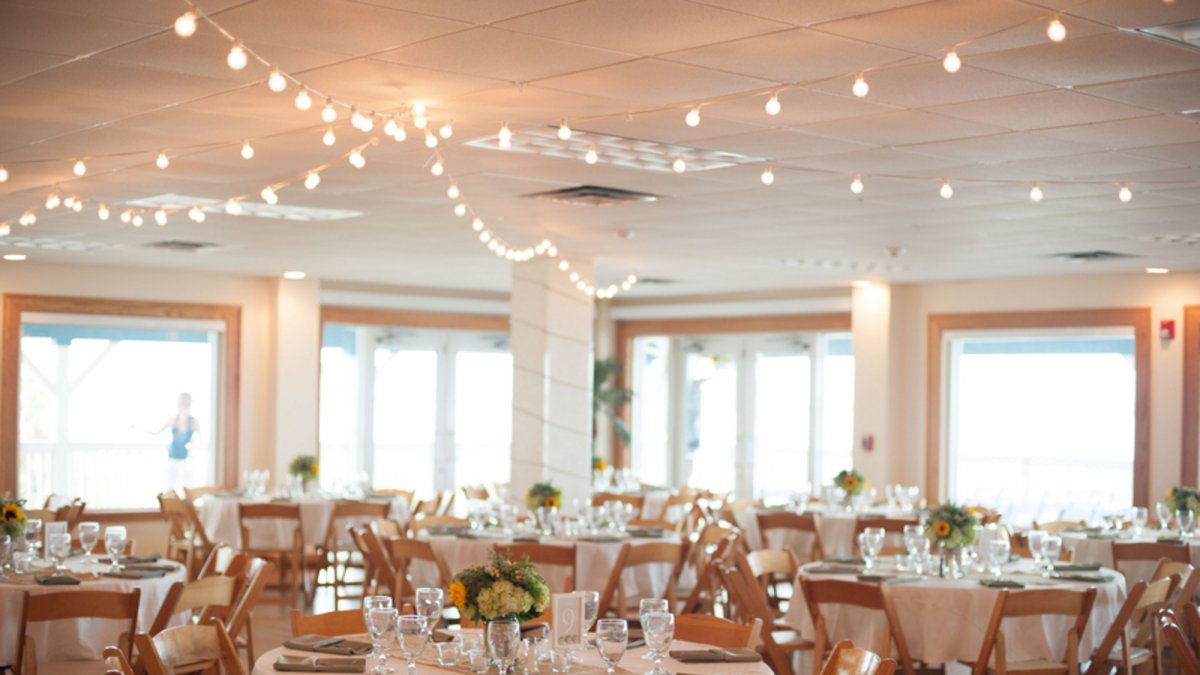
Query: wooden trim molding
{"type": "Point", "coordinates": [368, 316]}
{"type": "Point", "coordinates": [1191, 395]}
{"type": "Point", "coordinates": [10, 365]}
{"type": "Point", "coordinates": [626, 331]}
{"type": "Point", "coordinates": [1136, 318]}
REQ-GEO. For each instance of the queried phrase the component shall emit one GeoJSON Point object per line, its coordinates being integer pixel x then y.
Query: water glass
{"type": "Point", "coordinates": [1164, 515]}
{"type": "Point", "coordinates": [429, 602]}
{"type": "Point", "coordinates": [473, 649]}
{"type": "Point", "coordinates": [1051, 547]}
{"type": "Point", "coordinates": [5, 552]}
{"type": "Point", "coordinates": [89, 536]}
{"type": "Point", "coordinates": [591, 609]}
{"type": "Point", "coordinates": [1037, 540]}
{"type": "Point", "coordinates": [560, 660]}
{"type": "Point", "coordinates": [58, 548]}
{"type": "Point", "coordinates": [612, 637]}
{"type": "Point", "coordinates": [1186, 520]}
{"type": "Point", "coordinates": [647, 606]}
{"type": "Point", "coordinates": [870, 542]}
{"type": "Point", "coordinates": [1139, 515]}
{"type": "Point", "coordinates": [449, 652]}
{"type": "Point", "coordinates": [381, 627]}
{"type": "Point", "coordinates": [412, 634]}
{"type": "Point", "coordinates": [22, 562]}
{"type": "Point", "coordinates": [504, 640]}
{"type": "Point", "coordinates": [998, 551]}
{"type": "Point", "coordinates": [659, 631]}
{"type": "Point", "coordinates": [33, 535]}
{"type": "Point", "coordinates": [114, 543]}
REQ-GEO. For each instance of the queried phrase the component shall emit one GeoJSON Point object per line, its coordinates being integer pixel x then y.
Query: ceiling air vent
{"type": "Point", "coordinates": [184, 246]}
{"type": "Point", "coordinates": [593, 195]}
{"type": "Point", "coordinates": [1090, 256]}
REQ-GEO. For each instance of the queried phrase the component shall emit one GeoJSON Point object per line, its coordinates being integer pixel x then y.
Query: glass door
{"type": "Point", "coordinates": [782, 416]}
{"type": "Point", "coordinates": [405, 418]}
{"type": "Point", "coordinates": [711, 432]}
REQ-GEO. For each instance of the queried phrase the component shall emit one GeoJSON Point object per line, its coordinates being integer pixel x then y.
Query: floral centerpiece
{"type": "Point", "coordinates": [543, 494]}
{"type": "Point", "coordinates": [951, 525]}
{"type": "Point", "coordinates": [1183, 498]}
{"type": "Point", "coordinates": [502, 589]}
{"type": "Point", "coordinates": [12, 517]}
{"type": "Point", "coordinates": [851, 481]}
{"type": "Point", "coordinates": [305, 467]}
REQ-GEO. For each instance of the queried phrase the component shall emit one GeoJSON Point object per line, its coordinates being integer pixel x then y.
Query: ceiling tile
{"type": "Point", "coordinates": [904, 127]}
{"type": "Point", "coordinates": [1133, 133]}
{"type": "Point", "coordinates": [928, 84]}
{"type": "Point", "coordinates": [1043, 110]}
{"type": "Point", "coordinates": [988, 150]}
{"type": "Point", "coordinates": [35, 28]}
{"type": "Point", "coordinates": [1108, 57]}
{"type": "Point", "coordinates": [653, 83]}
{"type": "Point", "coordinates": [928, 28]}
{"type": "Point", "coordinates": [1169, 93]}
{"type": "Point", "coordinates": [809, 12]}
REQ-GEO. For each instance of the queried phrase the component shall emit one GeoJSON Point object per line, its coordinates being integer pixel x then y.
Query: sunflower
{"type": "Point", "coordinates": [941, 528]}
{"type": "Point", "coordinates": [849, 483]}
{"type": "Point", "coordinates": [552, 502]}
{"type": "Point", "coordinates": [11, 513]}
{"type": "Point", "coordinates": [458, 594]}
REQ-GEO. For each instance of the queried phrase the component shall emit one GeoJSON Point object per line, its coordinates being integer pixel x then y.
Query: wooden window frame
{"type": "Point", "coordinates": [10, 365]}
{"type": "Point", "coordinates": [1137, 318]}
{"type": "Point", "coordinates": [628, 330]}
{"type": "Point", "coordinates": [1191, 395]}
{"type": "Point", "coordinates": [369, 316]}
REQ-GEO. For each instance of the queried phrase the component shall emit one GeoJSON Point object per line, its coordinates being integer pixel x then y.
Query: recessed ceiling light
{"type": "Point", "coordinates": [15, 257]}
{"type": "Point", "coordinates": [294, 275]}
{"type": "Point", "coordinates": [1157, 270]}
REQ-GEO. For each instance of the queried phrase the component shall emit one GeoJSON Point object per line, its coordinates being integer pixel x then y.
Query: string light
{"type": "Point", "coordinates": [504, 136]}
{"type": "Point", "coordinates": [390, 127]}
{"type": "Point", "coordinates": [437, 168]}
{"type": "Point", "coordinates": [233, 207]}
{"type": "Point", "coordinates": [860, 88]}
{"type": "Point", "coordinates": [80, 168]}
{"type": "Point", "coordinates": [303, 100]}
{"type": "Point", "coordinates": [679, 165]}
{"type": "Point", "coordinates": [1056, 31]}
{"type": "Point", "coordinates": [401, 135]}
{"type": "Point", "coordinates": [1035, 193]}
{"type": "Point", "coordinates": [591, 157]}
{"type": "Point", "coordinates": [431, 141]}
{"type": "Point", "coordinates": [276, 82]}
{"type": "Point", "coordinates": [162, 161]}
{"type": "Point", "coordinates": [485, 236]}
{"type": "Point", "coordinates": [77, 206]}
{"type": "Point", "coordinates": [574, 277]}
{"type": "Point", "coordinates": [477, 225]}
{"type": "Point", "coordinates": [28, 218]}
{"type": "Point", "coordinates": [53, 201]}
{"type": "Point", "coordinates": [452, 191]}
{"type": "Point", "coordinates": [127, 216]}
{"type": "Point", "coordinates": [692, 118]}
{"type": "Point", "coordinates": [3, 175]}
{"type": "Point", "coordinates": [947, 190]}
{"type": "Point", "coordinates": [328, 113]}
{"type": "Point", "coordinates": [856, 185]}
{"type": "Point", "coordinates": [312, 180]}
{"type": "Point", "coordinates": [952, 63]}
{"type": "Point", "coordinates": [773, 106]}
{"type": "Point", "coordinates": [69, 201]}
{"type": "Point", "coordinates": [160, 217]}
{"type": "Point", "coordinates": [564, 131]}
{"type": "Point", "coordinates": [418, 107]}
{"type": "Point", "coordinates": [102, 211]}
{"type": "Point", "coordinates": [236, 59]}
{"type": "Point", "coordinates": [356, 159]}
{"type": "Point", "coordinates": [768, 176]}
{"type": "Point", "coordinates": [460, 209]}
{"type": "Point", "coordinates": [196, 214]}
{"type": "Point", "coordinates": [329, 138]}
{"type": "Point", "coordinates": [368, 122]}
{"type": "Point", "coordinates": [356, 118]}
{"type": "Point", "coordinates": [1125, 194]}
{"type": "Point", "coordinates": [137, 219]}
{"type": "Point", "coordinates": [446, 131]}
{"type": "Point", "coordinates": [185, 25]}
{"type": "Point", "coordinates": [268, 195]}
{"type": "Point", "coordinates": [247, 150]}
{"type": "Point", "coordinates": [419, 120]}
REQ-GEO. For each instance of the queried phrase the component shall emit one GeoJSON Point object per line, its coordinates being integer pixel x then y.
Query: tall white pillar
{"type": "Point", "coordinates": [870, 320]}
{"type": "Point", "coordinates": [297, 338]}
{"type": "Point", "coordinates": [552, 329]}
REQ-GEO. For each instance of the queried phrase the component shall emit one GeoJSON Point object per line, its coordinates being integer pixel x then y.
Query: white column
{"type": "Point", "coordinates": [552, 328]}
{"type": "Point", "coordinates": [297, 338]}
{"type": "Point", "coordinates": [870, 319]}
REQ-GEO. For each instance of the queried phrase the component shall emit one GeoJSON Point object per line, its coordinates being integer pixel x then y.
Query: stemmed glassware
{"type": "Point", "coordinates": [646, 607]}
{"type": "Point", "coordinates": [917, 545]}
{"type": "Point", "coordinates": [998, 550]}
{"type": "Point", "coordinates": [412, 634]}
{"type": "Point", "coordinates": [659, 630]}
{"type": "Point", "coordinates": [429, 603]}
{"type": "Point", "coordinates": [504, 640]}
{"type": "Point", "coordinates": [1037, 539]}
{"type": "Point", "coordinates": [870, 542]}
{"type": "Point", "coordinates": [33, 535]}
{"type": "Point", "coordinates": [381, 627]}
{"type": "Point", "coordinates": [372, 602]}
{"type": "Point", "coordinates": [58, 547]}
{"type": "Point", "coordinates": [1186, 520]}
{"type": "Point", "coordinates": [89, 536]}
{"type": "Point", "coordinates": [5, 553]}
{"type": "Point", "coordinates": [114, 544]}
{"type": "Point", "coordinates": [1138, 516]}
{"type": "Point", "coordinates": [612, 637]}
{"type": "Point", "coordinates": [1164, 515]}
{"type": "Point", "coordinates": [1051, 547]}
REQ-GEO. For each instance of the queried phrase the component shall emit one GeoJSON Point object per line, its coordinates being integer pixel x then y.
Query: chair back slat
{"type": "Point", "coordinates": [804, 523]}
{"type": "Point", "coordinates": [715, 631]}
{"type": "Point", "coordinates": [544, 555]}
{"type": "Point", "coordinates": [342, 622]}
{"type": "Point", "coordinates": [189, 648]}
{"type": "Point", "coordinates": [40, 607]}
{"type": "Point", "coordinates": [847, 659]}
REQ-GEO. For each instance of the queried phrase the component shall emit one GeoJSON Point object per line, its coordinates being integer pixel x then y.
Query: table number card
{"type": "Point", "coordinates": [567, 620]}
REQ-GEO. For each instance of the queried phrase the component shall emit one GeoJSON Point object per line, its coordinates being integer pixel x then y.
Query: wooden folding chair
{"type": "Point", "coordinates": [403, 552]}
{"type": "Point", "coordinates": [252, 574]}
{"type": "Point", "coordinates": [382, 569]}
{"type": "Point", "coordinates": [189, 649]}
{"type": "Point", "coordinates": [197, 597]}
{"type": "Point", "coordinates": [1129, 552]}
{"type": "Point", "coordinates": [893, 529]}
{"type": "Point", "coordinates": [1174, 636]}
{"type": "Point", "coordinates": [194, 494]}
{"type": "Point", "coordinates": [420, 523]}
{"type": "Point", "coordinates": [476, 492]}
{"type": "Point", "coordinates": [771, 567]}
{"type": "Point", "coordinates": [187, 541]}
{"type": "Point", "coordinates": [286, 554]}
{"type": "Point", "coordinates": [1040, 602]}
{"type": "Point", "coordinates": [115, 662]}
{"type": "Point", "coordinates": [847, 659]}
{"type": "Point", "coordinates": [336, 553]}
{"type": "Point", "coordinates": [750, 604]}
{"type": "Point", "coordinates": [793, 525]}
{"type": "Point", "coordinates": [545, 555]}
{"type": "Point", "coordinates": [1119, 649]}
{"type": "Point", "coordinates": [638, 502]}
{"type": "Point", "coordinates": [613, 599]}
{"type": "Point", "coordinates": [1056, 527]}
{"type": "Point", "coordinates": [343, 622]}
{"type": "Point", "coordinates": [705, 596]}
{"type": "Point", "coordinates": [41, 607]}
{"type": "Point", "coordinates": [877, 597]}
{"type": "Point", "coordinates": [715, 631]}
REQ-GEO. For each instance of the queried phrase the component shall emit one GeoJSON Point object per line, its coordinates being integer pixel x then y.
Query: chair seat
{"type": "Point", "coordinates": [69, 667]}
{"type": "Point", "coordinates": [1137, 655]}
{"type": "Point", "coordinates": [1033, 667]}
{"type": "Point", "coordinates": [790, 640]}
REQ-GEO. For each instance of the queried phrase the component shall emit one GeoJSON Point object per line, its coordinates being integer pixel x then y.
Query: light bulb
{"type": "Point", "coordinates": [952, 63]}
{"type": "Point", "coordinates": [632, 278]}
{"type": "Point", "coordinates": [127, 216]}
{"type": "Point", "coordinates": [233, 207]}
{"type": "Point", "coordinates": [268, 195]}
{"type": "Point", "coordinates": [581, 284]}
{"type": "Point", "coordinates": [69, 202]}
{"type": "Point", "coordinates": [860, 87]}
{"type": "Point", "coordinates": [692, 118]}
{"type": "Point", "coordinates": [484, 236]}
{"type": "Point", "coordinates": [420, 122]}
{"type": "Point", "coordinates": [328, 113]}
{"type": "Point", "coordinates": [77, 206]}
{"type": "Point", "coordinates": [28, 218]}
{"type": "Point", "coordinates": [446, 130]}
{"type": "Point", "coordinates": [460, 209]}
{"type": "Point", "coordinates": [102, 212]}
{"type": "Point", "coordinates": [679, 165]}
{"type": "Point", "coordinates": [356, 159]}
{"type": "Point", "coordinates": [452, 191]}
{"type": "Point", "coordinates": [185, 25]}
{"type": "Point", "coordinates": [329, 138]}
{"type": "Point", "coordinates": [196, 214]}
{"type": "Point", "coordinates": [1056, 31]}
{"type": "Point", "coordinates": [303, 101]}
{"type": "Point", "coordinates": [5, 230]}
{"type": "Point", "coordinates": [390, 127]}
{"type": "Point", "coordinates": [312, 180]}
{"type": "Point", "coordinates": [160, 217]}
{"type": "Point", "coordinates": [564, 131]}
{"type": "Point", "coordinates": [504, 137]}
{"type": "Point", "coordinates": [477, 225]}
{"type": "Point", "coordinates": [856, 185]}
{"type": "Point", "coordinates": [418, 107]}
{"type": "Point", "coordinates": [773, 105]}
{"type": "Point", "coordinates": [368, 122]}
{"type": "Point", "coordinates": [53, 201]}
{"type": "Point", "coordinates": [574, 277]}
{"type": "Point", "coordinates": [1035, 193]}
{"type": "Point", "coordinates": [401, 135]}
{"type": "Point", "coordinates": [276, 82]}
{"type": "Point", "coordinates": [247, 150]}
{"type": "Point", "coordinates": [3, 175]}
{"type": "Point", "coordinates": [437, 168]}
{"type": "Point", "coordinates": [1125, 195]}
{"type": "Point", "coordinates": [493, 245]}
{"type": "Point", "coordinates": [947, 190]}
{"type": "Point", "coordinates": [237, 57]}
{"type": "Point", "coordinates": [431, 141]}
{"type": "Point", "coordinates": [564, 265]}
{"type": "Point", "coordinates": [162, 161]}
{"type": "Point", "coordinates": [768, 176]}
{"type": "Point", "coordinates": [80, 168]}
{"type": "Point", "coordinates": [137, 220]}
{"type": "Point", "coordinates": [592, 156]}
{"type": "Point", "coordinates": [552, 251]}
{"type": "Point", "coordinates": [356, 118]}
{"type": "Point", "coordinates": [625, 285]}
{"type": "Point", "coordinates": [501, 249]}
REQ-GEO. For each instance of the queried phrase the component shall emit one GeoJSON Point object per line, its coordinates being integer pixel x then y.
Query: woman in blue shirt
{"type": "Point", "coordinates": [185, 433]}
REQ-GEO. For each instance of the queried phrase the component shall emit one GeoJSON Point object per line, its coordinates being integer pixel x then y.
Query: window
{"type": "Point", "coordinates": [116, 406]}
{"type": "Point", "coordinates": [418, 409]}
{"type": "Point", "coordinates": [764, 414]}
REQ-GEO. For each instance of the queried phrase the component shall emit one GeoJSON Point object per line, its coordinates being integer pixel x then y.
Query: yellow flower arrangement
{"type": "Point", "coordinates": [543, 494]}
{"type": "Point", "coordinates": [850, 480]}
{"type": "Point", "coordinates": [941, 528]}
{"type": "Point", "coordinates": [12, 517]}
{"type": "Point", "coordinates": [501, 589]}
{"type": "Point", "coordinates": [951, 525]}
{"type": "Point", "coordinates": [458, 595]}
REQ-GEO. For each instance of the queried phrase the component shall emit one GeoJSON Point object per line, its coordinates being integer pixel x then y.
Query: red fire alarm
{"type": "Point", "coordinates": [1166, 329]}
{"type": "Point", "coordinates": [868, 442]}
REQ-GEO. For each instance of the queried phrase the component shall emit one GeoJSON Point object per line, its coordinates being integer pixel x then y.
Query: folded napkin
{"type": "Point", "coordinates": [318, 664]}
{"type": "Point", "coordinates": [887, 578]}
{"type": "Point", "coordinates": [325, 644]}
{"type": "Point", "coordinates": [1170, 540]}
{"type": "Point", "coordinates": [135, 574]}
{"type": "Point", "coordinates": [828, 568]}
{"type": "Point", "coordinates": [1000, 583]}
{"type": "Point", "coordinates": [527, 540]}
{"type": "Point", "coordinates": [153, 567]}
{"type": "Point", "coordinates": [131, 559]}
{"type": "Point", "coordinates": [1082, 576]}
{"type": "Point", "coordinates": [601, 539]}
{"type": "Point", "coordinates": [716, 655]}
{"type": "Point", "coordinates": [845, 560]}
{"type": "Point", "coordinates": [1076, 567]}
{"type": "Point", "coordinates": [647, 532]}
{"type": "Point", "coordinates": [445, 529]}
{"type": "Point", "coordinates": [440, 635]}
{"type": "Point", "coordinates": [1104, 535]}
{"type": "Point", "coordinates": [61, 580]}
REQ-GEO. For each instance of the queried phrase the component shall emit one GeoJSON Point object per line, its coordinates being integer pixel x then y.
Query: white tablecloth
{"type": "Point", "coordinates": [82, 639]}
{"type": "Point", "coordinates": [631, 662]}
{"type": "Point", "coordinates": [1100, 551]}
{"type": "Point", "coordinates": [944, 620]}
{"type": "Point", "coordinates": [836, 529]}
{"type": "Point", "coordinates": [219, 516]}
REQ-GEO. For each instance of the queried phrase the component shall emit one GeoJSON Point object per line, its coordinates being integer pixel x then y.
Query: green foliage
{"type": "Point", "coordinates": [499, 590]}
{"type": "Point", "coordinates": [951, 525]}
{"type": "Point", "coordinates": [607, 399]}
{"type": "Point", "coordinates": [1183, 498]}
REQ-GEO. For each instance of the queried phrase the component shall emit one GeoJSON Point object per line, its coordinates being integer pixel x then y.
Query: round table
{"type": "Point", "coordinates": [76, 639]}
{"type": "Point", "coordinates": [631, 662]}
{"type": "Point", "coordinates": [1098, 547]}
{"type": "Point", "coordinates": [219, 516]}
{"type": "Point", "coordinates": [836, 529]}
{"type": "Point", "coordinates": [944, 620]}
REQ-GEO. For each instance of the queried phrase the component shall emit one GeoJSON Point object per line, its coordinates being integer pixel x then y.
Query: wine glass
{"type": "Point", "coordinates": [997, 554]}
{"type": "Point", "coordinates": [504, 639]}
{"type": "Point", "coordinates": [913, 536]}
{"type": "Point", "coordinates": [1138, 515]}
{"type": "Point", "coordinates": [870, 541]}
{"type": "Point", "coordinates": [591, 609]}
{"type": "Point", "coordinates": [58, 547]}
{"type": "Point", "coordinates": [1051, 547]}
{"type": "Point", "coordinates": [1164, 515]}
{"type": "Point", "coordinates": [1037, 540]}
{"type": "Point", "coordinates": [381, 627]}
{"type": "Point", "coordinates": [378, 602]}
{"type": "Point", "coordinates": [89, 536]}
{"type": "Point", "coordinates": [612, 637]}
{"type": "Point", "coordinates": [114, 543]}
{"type": "Point", "coordinates": [429, 602]}
{"type": "Point", "coordinates": [33, 535]}
{"type": "Point", "coordinates": [412, 634]}
{"type": "Point", "coordinates": [5, 552]}
{"type": "Point", "coordinates": [1186, 520]}
{"type": "Point", "coordinates": [659, 630]}
{"type": "Point", "coordinates": [647, 606]}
